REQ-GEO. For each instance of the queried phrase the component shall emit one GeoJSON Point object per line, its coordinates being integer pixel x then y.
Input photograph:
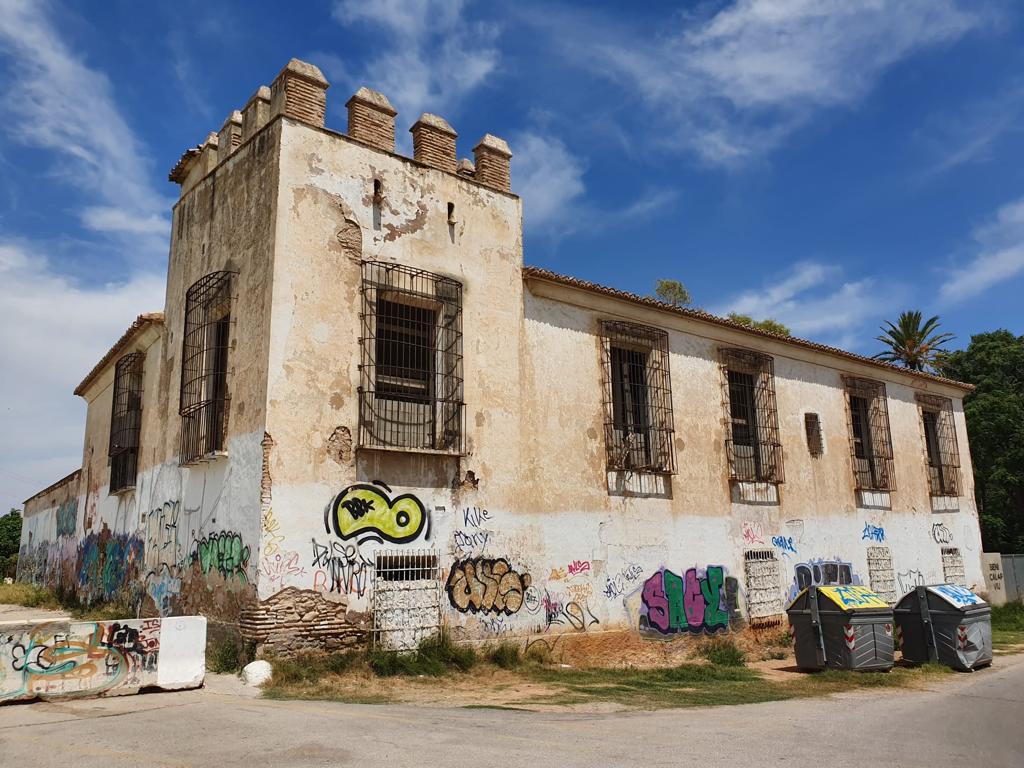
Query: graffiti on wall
{"type": "Point", "coordinates": [941, 534]}
{"type": "Point", "coordinates": [163, 587]}
{"type": "Point", "coordinates": [271, 533]}
{"type": "Point", "coordinates": [109, 564]}
{"type": "Point", "coordinates": [822, 573]}
{"type": "Point", "coordinates": [225, 553]}
{"type": "Point", "coordinates": [79, 659]}
{"type": "Point", "coordinates": [873, 533]}
{"type": "Point", "coordinates": [909, 580]}
{"type": "Point", "coordinates": [622, 581]}
{"type": "Point", "coordinates": [696, 602]}
{"type": "Point", "coordinates": [341, 568]}
{"type": "Point", "coordinates": [784, 544]}
{"type": "Point", "coordinates": [67, 518]}
{"type": "Point", "coordinates": [366, 512]}
{"type": "Point", "coordinates": [483, 585]}
{"type": "Point", "coordinates": [470, 538]}
{"type": "Point", "coordinates": [280, 568]}
{"type": "Point", "coordinates": [753, 534]}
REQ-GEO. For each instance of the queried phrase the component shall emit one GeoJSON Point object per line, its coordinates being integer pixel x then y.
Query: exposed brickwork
{"type": "Point", "coordinates": [300, 92]}
{"type": "Point", "coordinates": [371, 119]}
{"type": "Point", "coordinates": [256, 112]}
{"type": "Point", "coordinates": [433, 142]}
{"type": "Point", "coordinates": [492, 163]}
{"type": "Point", "coordinates": [230, 136]}
{"type": "Point", "coordinates": [296, 620]}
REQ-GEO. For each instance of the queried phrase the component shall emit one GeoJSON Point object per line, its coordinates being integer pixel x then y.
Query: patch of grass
{"type": "Point", "coordinates": [1009, 617]}
{"type": "Point", "coordinates": [28, 595]}
{"type": "Point", "coordinates": [435, 656]}
{"type": "Point", "coordinates": [779, 638]}
{"type": "Point", "coordinates": [309, 668]}
{"type": "Point", "coordinates": [505, 655]}
{"type": "Point", "coordinates": [722, 652]}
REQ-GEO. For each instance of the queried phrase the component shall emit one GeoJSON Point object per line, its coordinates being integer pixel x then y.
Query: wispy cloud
{"type": "Point", "coordinates": [54, 101]}
{"type": "Point", "coordinates": [971, 133]}
{"type": "Point", "coordinates": [432, 54]}
{"type": "Point", "coordinates": [998, 255]}
{"type": "Point", "coordinates": [731, 85]}
{"type": "Point", "coordinates": [550, 179]}
{"type": "Point", "coordinates": [814, 300]}
{"type": "Point", "coordinates": [56, 327]}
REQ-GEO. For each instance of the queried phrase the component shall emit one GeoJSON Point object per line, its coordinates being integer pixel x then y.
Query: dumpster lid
{"type": "Point", "coordinates": [849, 598]}
{"type": "Point", "coordinates": [853, 597]}
{"type": "Point", "coordinates": [954, 594]}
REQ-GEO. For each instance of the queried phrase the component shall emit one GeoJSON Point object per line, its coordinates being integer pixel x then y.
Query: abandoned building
{"type": "Point", "coordinates": [359, 412]}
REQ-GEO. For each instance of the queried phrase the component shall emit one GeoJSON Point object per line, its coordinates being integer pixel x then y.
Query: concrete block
{"type": "Point", "coordinates": [76, 659]}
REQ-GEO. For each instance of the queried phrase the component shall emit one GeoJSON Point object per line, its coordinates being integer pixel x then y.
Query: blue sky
{"type": "Point", "coordinates": [828, 163]}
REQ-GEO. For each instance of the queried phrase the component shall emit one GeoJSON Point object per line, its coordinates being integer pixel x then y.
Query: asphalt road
{"type": "Point", "coordinates": [970, 719]}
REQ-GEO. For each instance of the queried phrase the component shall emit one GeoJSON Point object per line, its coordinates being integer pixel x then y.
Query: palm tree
{"type": "Point", "coordinates": [914, 345]}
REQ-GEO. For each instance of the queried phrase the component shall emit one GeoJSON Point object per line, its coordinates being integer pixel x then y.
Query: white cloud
{"type": "Point", "coordinates": [550, 180]}
{"type": "Point", "coordinates": [434, 54]}
{"type": "Point", "coordinates": [998, 249]}
{"type": "Point", "coordinates": [814, 301]}
{"type": "Point", "coordinates": [54, 101]}
{"type": "Point", "coordinates": [54, 331]}
{"type": "Point", "coordinates": [731, 85]}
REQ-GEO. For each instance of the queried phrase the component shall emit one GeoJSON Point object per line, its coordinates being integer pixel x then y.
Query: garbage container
{"type": "Point", "coordinates": [945, 623]}
{"type": "Point", "coordinates": [848, 627]}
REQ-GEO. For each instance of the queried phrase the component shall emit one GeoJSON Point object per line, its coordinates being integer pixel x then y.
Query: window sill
{"type": "Point", "coordinates": [120, 491]}
{"type": "Point", "coordinates": [407, 449]}
{"type": "Point", "coordinates": [752, 492]}
{"type": "Point", "coordinates": [945, 503]}
{"type": "Point", "coordinates": [873, 499]}
{"type": "Point", "coordinates": [204, 459]}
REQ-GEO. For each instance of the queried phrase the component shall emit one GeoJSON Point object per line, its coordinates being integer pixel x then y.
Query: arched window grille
{"type": "Point", "coordinates": [126, 422]}
{"type": "Point", "coordinates": [204, 366]}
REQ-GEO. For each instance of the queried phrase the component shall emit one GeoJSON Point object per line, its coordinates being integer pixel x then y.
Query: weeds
{"type": "Point", "coordinates": [1009, 617]}
{"type": "Point", "coordinates": [722, 652]}
{"type": "Point", "coordinates": [435, 656]}
{"type": "Point", "coordinates": [28, 595]}
{"type": "Point", "coordinates": [505, 655]}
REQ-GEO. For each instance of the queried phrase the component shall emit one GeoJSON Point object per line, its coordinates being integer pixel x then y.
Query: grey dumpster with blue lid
{"type": "Point", "coordinates": [946, 623]}
{"type": "Point", "coordinates": [848, 627]}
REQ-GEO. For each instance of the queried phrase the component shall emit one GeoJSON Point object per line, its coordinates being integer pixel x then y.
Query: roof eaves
{"type": "Point", "coordinates": [142, 321]}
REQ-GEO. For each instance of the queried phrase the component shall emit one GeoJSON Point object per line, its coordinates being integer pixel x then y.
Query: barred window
{"type": "Point", "coordinates": [941, 448]}
{"type": "Point", "coordinates": [204, 366]}
{"type": "Point", "coordinates": [752, 445]}
{"type": "Point", "coordinates": [870, 439]}
{"type": "Point", "coordinates": [411, 383]}
{"type": "Point", "coordinates": [125, 422]}
{"type": "Point", "coordinates": [638, 423]}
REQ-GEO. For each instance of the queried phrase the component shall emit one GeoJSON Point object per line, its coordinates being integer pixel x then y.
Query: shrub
{"type": "Point", "coordinates": [435, 656]}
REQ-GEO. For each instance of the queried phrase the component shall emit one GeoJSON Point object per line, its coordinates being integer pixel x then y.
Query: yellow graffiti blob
{"type": "Point", "coordinates": [366, 510]}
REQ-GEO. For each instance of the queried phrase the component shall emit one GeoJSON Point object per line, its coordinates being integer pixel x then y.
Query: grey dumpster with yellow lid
{"type": "Point", "coordinates": [946, 623]}
{"type": "Point", "coordinates": [841, 627]}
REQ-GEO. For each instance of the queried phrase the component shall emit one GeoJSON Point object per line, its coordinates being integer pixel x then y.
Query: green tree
{"type": "Point", "coordinates": [672, 292]}
{"type": "Point", "coordinates": [10, 533]}
{"type": "Point", "coordinates": [994, 364]}
{"type": "Point", "coordinates": [912, 343]}
{"type": "Point", "coordinates": [768, 324]}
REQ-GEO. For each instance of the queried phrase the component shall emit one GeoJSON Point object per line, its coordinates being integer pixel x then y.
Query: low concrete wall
{"type": "Point", "coordinates": [73, 659]}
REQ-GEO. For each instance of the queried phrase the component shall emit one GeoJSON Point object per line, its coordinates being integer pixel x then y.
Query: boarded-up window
{"type": "Point", "coordinates": [764, 591]}
{"type": "Point", "coordinates": [638, 424]}
{"type": "Point", "coordinates": [941, 449]}
{"type": "Point", "coordinates": [406, 598]}
{"type": "Point", "coordinates": [752, 445]}
{"type": "Point", "coordinates": [870, 440]}
{"type": "Point", "coordinates": [812, 429]}
{"type": "Point", "coordinates": [880, 573]}
{"type": "Point", "coordinates": [953, 566]}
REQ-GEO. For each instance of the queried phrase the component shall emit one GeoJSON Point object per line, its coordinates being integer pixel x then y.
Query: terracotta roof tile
{"type": "Point", "coordinates": [698, 314]}
{"type": "Point", "coordinates": [143, 320]}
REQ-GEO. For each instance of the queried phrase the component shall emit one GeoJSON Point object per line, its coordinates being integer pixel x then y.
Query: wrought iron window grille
{"type": "Point", "coordinates": [205, 398]}
{"type": "Point", "coordinates": [753, 444]}
{"type": "Point", "coordinates": [941, 450]}
{"type": "Point", "coordinates": [870, 438]}
{"type": "Point", "coordinates": [638, 426]}
{"type": "Point", "coordinates": [126, 422]}
{"type": "Point", "coordinates": [411, 379]}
